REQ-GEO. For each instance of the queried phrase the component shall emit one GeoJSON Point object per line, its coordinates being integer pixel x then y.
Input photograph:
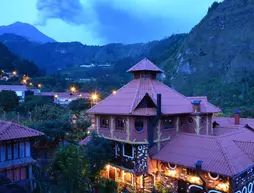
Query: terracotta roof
{"type": "Point", "coordinates": [227, 154]}
{"type": "Point", "coordinates": [85, 141]}
{"type": "Point", "coordinates": [205, 106]}
{"type": "Point", "coordinates": [10, 130]}
{"type": "Point", "coordinates": [229, 121]}
{"type": "Point", "coordinates": [145, 65]}
{"type": "Point", "coordinates": [132, 93]}
{"type": "Point", "coordinates": [13, 87]}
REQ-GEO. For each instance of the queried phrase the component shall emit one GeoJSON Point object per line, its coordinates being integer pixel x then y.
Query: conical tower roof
{"type": "Point", "coordinates": [145, 65]}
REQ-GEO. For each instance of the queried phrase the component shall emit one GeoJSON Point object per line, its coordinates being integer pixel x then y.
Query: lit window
{"type": "Point", "coordinates": [168, 123]}
{"type": "Point", "coordinates": [190, 120]}
{"type": "Point", "coordinates": [120, 123]}
{"type": "Point", "coordinates": [139, 125]}
{"type": "Point", "coordinates": [128, 150]}
{"type": "Point", "coordinates": [104, 122]}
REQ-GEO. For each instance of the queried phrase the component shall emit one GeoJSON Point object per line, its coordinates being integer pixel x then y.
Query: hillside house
{"type": "Point", "coordinates": [18, 89]}
{"type": "Point", "coordinates": [15, 153]}
{"type": "Point", "coordinates": [163, 137]}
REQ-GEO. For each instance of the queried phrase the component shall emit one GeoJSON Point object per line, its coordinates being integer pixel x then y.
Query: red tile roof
{"type": "Point", "coordinates": [132, 93]}
{"type": "Point", "coordinates": [10, 130]}
{"type": "Point", "coordinates": [227, 154]}
{"type": "Point", "coordinates": [145, 65]}
{"type": "Point", "coordinates": [205, 106]}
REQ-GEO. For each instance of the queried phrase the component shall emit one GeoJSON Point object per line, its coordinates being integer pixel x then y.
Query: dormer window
{"type": "Point", "coordinates": [168, 122]}
{"type": "Point", "coordinates": [120, 123]}
{"type": "Point", "coordinates": [139, 125]}
{"type": "Point", "coordinates": [104, 122]}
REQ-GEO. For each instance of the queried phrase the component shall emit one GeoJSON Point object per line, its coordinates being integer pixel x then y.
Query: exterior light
{"type": "Point", "coordinates": [114, 91]}
{"type": "Point", "coordinates": [108, 166]}
{"type": "Point", "coordinates": [14, 73]}
{"type": "Point", "coordinates": [24, 81]}
{"type": "Point", "coordinates": [94, 97]}
{"type": "Point", "coordinates": [39, 85]}
{"type": "Point", "coordinates": [73, 89]}
{"type": "Point", "coordinates": [195, 180]}
{"type": "Point", "coordinates": [56, 96]}
{"type": "Point", "coordinates": [31, 84]}
{"type": "Point", "coordinates": [80, 95]}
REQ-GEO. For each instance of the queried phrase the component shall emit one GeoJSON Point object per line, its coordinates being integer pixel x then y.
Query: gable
{"type": "Point", "coordinates": [146, 102]}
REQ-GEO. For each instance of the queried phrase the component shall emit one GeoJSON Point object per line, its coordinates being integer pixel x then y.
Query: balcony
{"type": "Point", "coordinates": [122, 162]}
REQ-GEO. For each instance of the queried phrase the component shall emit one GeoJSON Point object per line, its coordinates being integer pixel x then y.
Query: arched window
{"type": "Point", "coordinates": [139, 124]}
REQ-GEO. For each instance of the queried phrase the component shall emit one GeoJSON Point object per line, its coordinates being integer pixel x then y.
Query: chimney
{"type": "Point", "coordinates": [196, 106]}
{"type": "Point", "coordinates": [158, 105]}
{"type": "Point", "coordinates": [153, 121]}
{"type": "Point", "coordinates": [198, 165]}
{"type": "Point", "coordinates": [237, 117]}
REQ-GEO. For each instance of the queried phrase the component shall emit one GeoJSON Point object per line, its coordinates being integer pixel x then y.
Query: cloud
{"type": "Point", "coordinates": [126, 21]}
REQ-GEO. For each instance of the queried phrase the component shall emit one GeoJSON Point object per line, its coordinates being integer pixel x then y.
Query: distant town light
{"type": "Point", "coordinates": [73, 89]}
{"type": "Point", "coordinates": [14, 73]}
{"type": "Point", "coordinates": [39, 85]}
{"type": "Point", "coordinates": [56, 96]}
{"type": "Point", "coordinates": [2, 71]}
{"type": "Point", "coordinates": [80, 95]}
{"type": "Point", "coordinates": [24, 81]}
{"type": "Point", "coordinates": [114, 91]}
{"type": "Point", "coordinates": [31, 84]}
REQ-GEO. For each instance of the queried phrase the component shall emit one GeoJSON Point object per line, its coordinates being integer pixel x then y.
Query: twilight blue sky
{"type": "Point", "coordinates": [106, 21]}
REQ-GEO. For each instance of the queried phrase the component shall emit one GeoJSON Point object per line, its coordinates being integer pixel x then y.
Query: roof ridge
{"type": "Point", "coordinates": [228, 161]}
{"type": "Point", "coordinates": [110, 95]}
{"type": "Point", "coordinates": [6, 125]}
{"type": "Point", "coordinates": [136, 94]}
{"type": "Point", "coordinates": [249, 156]}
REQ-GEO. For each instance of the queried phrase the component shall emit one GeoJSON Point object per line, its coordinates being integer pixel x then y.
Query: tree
{"type": "Point", "coordinates": [32, 101]}
{"type": "Point", "coordinates": [67, 170]}
{"type": "Point", "coordinates": [97, 154]}
{"type": "Point", "coordinates": [54, 129]}
{"type": "Point", "coordinates": [79, 105]}
{"type": "Point", "coordinates": [8, 100]}
{"type": "Point", "coordinates": [28, 68]}
{"type": "Point", "coordinates": [47, 112]}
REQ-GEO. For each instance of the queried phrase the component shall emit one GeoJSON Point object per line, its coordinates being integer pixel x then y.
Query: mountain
{"type": "Point", "coordinates": [52, 56]}
{"type": "Point", "coordinates": [26, 30]}
{"type": "Point", "coordinates": [217, 56]}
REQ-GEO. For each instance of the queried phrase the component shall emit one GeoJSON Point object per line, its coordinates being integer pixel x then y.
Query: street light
{"type": "Point", "coordinates": [94, 97]}
{"type": "Point", "coordinates": [24, 81]}
{"type": "Point", "coordinates": [31, 84]}
{"type": "Point", "coordinates": [39, 85]}
{"type": "Point", "coordinates": [114, 91]}
{"type": "Point", "coordinates": [73, 89]}
{"type": "Point", "coordinates": [14, 73]}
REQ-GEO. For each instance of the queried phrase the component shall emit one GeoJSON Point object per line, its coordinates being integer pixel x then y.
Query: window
{"type": "Point", "coordinates": [190, 120]}
{"type": "Point", "coordinates": [117, 149]}
{"type": "Point", "coordinates": [139, 125]}
{"type": "Point", "coordinates": [128, 150]}
{"type": "Point", "coordinates": [16, 151]}
{"type": "Point", "coordinates": [2, 152]}
{"type": "Point", "coordinates": [28, 149]}
{"type": "Point", "coordinates": [9, 151]}
{"type": "Point", "coordinates": [203, 120]}
{"type": "Point", "coordinates": [120, 124]}
{"type": "Point", "coordinates": [168, 122]}
{"type": "Point", "coordinates": [104, 122]}
{"type": "Point", "coordinates": [22, 149]}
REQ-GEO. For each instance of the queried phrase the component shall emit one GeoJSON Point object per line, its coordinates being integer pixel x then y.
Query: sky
{"type": "Point", "coordinates": [97, 22]}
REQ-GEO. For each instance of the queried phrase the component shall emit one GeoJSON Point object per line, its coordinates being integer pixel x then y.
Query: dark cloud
{"type": "Point", "coordinates": [117, 25]}
{"type": "Point", "coordinates": [109, 22]}
{"type": "Point", "coordinates": [70, 11]}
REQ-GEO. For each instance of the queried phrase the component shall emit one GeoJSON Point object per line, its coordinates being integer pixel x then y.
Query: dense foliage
{"type": "Point", "coordinates": [8, 100]}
